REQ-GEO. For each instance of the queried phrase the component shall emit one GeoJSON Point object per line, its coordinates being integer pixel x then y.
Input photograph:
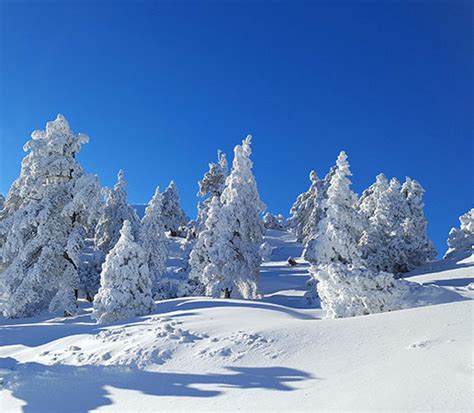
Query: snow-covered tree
{"type": "Point", "coordinates": [226, 256]}
{"type": "Point", "coordinates": [173, 215]}
{"type": "Point", "coordinates": [116, 212]}
{"type": "Point", "coordinates": [153, 238]}
{"type": "Point", "coordinates": [301, 210]}
{"type": "Point", "coordinates": [339, 231]}
{"type": "Point", "coordinates": [125, 284]}
{"type": "Point", "coordinates": [384, 209]}
{"type": "Point", "coordinates": [271, 221]}
{"type": "Point", "coordinates": [344, 285]}
{"type": "Point", "coordinates": [211, 185]}
{"type": "Point", "coordinates": [419, 249]}
{"type": "Point", "coordinates": [2, 201]}
{"type": "Point", "coordinates": [461, 239]}
{"type": "Point", "coordinates": [42, 227]}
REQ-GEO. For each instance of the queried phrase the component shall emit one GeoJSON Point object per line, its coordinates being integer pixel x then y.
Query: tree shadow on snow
{"type": "Point", "coordinates": [65, 388]}
{"type": "Point", "coordinates": [197, 304]}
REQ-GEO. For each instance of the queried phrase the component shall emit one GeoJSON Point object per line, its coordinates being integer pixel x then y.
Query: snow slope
{"type": "Point", "coordinates": [273, 354]}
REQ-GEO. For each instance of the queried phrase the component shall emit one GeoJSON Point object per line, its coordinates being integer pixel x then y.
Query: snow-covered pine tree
{"type": "Point", "coordinates": [345, 286]}
{"type": "Point", "coordinates": [125, 284]}
{"type": "Point", "coordinates": [116, 212]}
{"type": "Point", "coordinates": [384, 208]}
{"type": "Point", "coordinates": [173, 215]}
{"type": "Point", "coordinates": [302, 209]}
{"type": "Point", "coordinates": [226, 256]}
{"type": "Point", "coordinates": [271, 221]}
{"type": "Point", "coordinates": [212, 184]}
{"type": "Point", "coordinates": [153, 238]}
{"type": "Point", "coordinates": [461, 240]}
{"type": "Point", "coordinates": [2, 201]}
{"type": "Point", "coordinates": [42, 227]}
{"type": "Point", "coordinates": [419, 249]}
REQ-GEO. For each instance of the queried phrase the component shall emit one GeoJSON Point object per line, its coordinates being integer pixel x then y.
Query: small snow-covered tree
{"type": "Point", "coordinates": [173, 215]}
{"type": "Point", "coordinates": [271, 221]}
{"type": "Point", "coordinates": [226, 256]}
{"type": "Point", "coordinates": [344, 285]}
{"type": "Point", "coordinates": [461, 239]}
{"type": "Point", "coordinates": [211, 185]}
{"type": "Point", "coordinates": [2, 201]}
{"type": "Point", "coordinates": [42, 227]}
{"type": "Point", "coordinates": [116, 212]}
{"type": "Point", "coordinates": [153, 238]}
{"type": "Point", "coordinates": [125, 284]}
{"type": "Point", "coordinates": [303, 207]}
{"type": "Point", "coordinates": [419, 249]}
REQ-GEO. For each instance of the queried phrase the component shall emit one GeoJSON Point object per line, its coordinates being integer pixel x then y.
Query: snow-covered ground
{"type": "Point", "coordinates": [270, 354]}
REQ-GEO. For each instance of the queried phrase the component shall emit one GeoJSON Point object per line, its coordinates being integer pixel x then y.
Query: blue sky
{"type": "Point", "coordinates": [159, 86]}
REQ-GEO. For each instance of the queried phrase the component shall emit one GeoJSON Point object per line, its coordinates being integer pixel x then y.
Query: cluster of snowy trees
{"type": "Point", "coordinates": [62, 234]}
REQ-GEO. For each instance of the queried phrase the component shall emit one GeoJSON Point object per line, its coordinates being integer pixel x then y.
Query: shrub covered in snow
{"type": "Point", "coordinates": [43, 225]}
{"type": "Point", "coordinates": [226, 257]}
{"type": "Point", "coordinates": [173, 216]}
{"type": "Point", "coordinates": [347, 291]}
{"type": "Point", "coordinates": [266, 251]}
{"type": "Point", "coordinates": [461, 239]}
{"type": "Point", "coordinates": [125, 284]}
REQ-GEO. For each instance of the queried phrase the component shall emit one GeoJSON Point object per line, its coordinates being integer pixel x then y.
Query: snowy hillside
{"type": "Point", "coordinates": [271, 354]}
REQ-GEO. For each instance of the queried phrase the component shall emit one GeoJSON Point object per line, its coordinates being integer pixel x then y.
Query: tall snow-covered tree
{"type": "Point", "coordinates": [42, 227]}
{"type": "Point", "coordinates": [125, 284]}
{"type": "Point", "coordinates": [344, 285]}
{"type": "Point", "coordinates": [461, 240]}
{"type": "Point", "coordinates": [172, 213]}
{"type": "Point", "coordinates": [153, 238]}
{"type": "Point", "coordinates": [116, 212]}
{"type": "Point", "coordinates": [226, 257]}
{"type": "Point", "coordinates": [419, 249]}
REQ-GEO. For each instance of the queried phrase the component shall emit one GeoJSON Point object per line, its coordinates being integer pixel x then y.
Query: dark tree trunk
{"type": "Point", "coordinates": [227, 293]}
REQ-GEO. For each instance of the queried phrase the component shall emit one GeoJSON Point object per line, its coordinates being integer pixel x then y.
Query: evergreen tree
{"type": "Point", "coordinates": [125, 284]}
{"type": "Point", "coordinates": [302, 208]}
{"type": "Point", "coordinates": [2, 201]}
{"type": "Point", "coordinates": [42, 227]}
{"type": "Point", "coordinates": [211, 185]}
{"type": "Point", "coordinates": [116, 212]}
{"type": "Point", "coordinates": [226, 257]}
{"type": "Point", "coordinates": [461, 240]}
{"type": "Point", "coordinates": [345, 286]}
{"type": "Point", "coordinates": [153, 238]}
{"type": "Point", "coordinates": [271, 221]}
{"type": "Point", "coordinates": [419, 249]}
{"type": "Point", "coordinates": [384, 209]}
{"type": "Point", "coordinates": [173, 215]}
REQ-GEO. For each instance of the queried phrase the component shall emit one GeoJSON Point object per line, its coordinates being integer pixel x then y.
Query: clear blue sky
{"type": "Point", "coordinates": [159, 86]}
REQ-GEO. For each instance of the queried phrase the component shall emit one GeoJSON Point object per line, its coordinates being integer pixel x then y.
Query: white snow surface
{"type": "Point", "coordinates": [272, 354]}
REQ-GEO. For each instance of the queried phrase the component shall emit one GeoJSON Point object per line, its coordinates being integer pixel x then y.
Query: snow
{"type": "Point", "coordinates": [272, 354]}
